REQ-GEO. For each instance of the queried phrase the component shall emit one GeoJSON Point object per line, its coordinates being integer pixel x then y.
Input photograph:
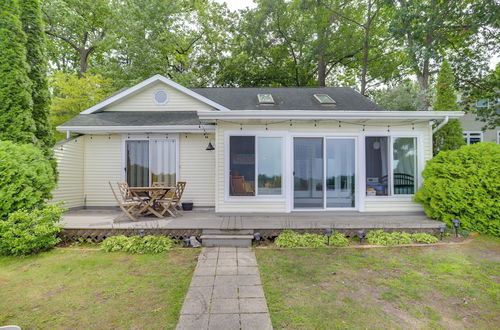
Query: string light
{"type": "Point", "coordinates": [409, 125]}
{"type": "Point", "coordinates": [266, 125]}
{"type": "Point", "coordinates": [290, 123]}
{"type": "Point", "coordinates": [315, 123]}
{"type": "Point", "coordinates": [340, 125]}
{"type": "Point", "coordinates": [241, 127]}
{"type": "Point", "coordinates": [388, 128]}
{"type": "Point", "coordinates": [412, 126]}
{"type": "Point", "coordinates": [363, 128]}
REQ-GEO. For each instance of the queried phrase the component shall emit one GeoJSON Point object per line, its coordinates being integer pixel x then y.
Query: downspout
{"type": "Point", "coordinates": [441, 124]}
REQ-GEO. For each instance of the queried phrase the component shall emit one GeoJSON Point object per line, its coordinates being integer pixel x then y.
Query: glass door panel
{"type": "Point", "coordinates": [340, 173]}
{"type": "Point", "coordinates": [137, 154]}
{"type": "Point", "coordinates": [163, 165]}
{"type": "Point", "coordinates": [308, 173]}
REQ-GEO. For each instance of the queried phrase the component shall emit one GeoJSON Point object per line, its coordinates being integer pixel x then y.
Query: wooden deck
{"type": "Point", "coordinates": [97, 223]}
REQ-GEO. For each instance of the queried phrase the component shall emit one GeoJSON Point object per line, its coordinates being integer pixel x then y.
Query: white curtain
{"type": "Point", "coordinates": [163, 161]}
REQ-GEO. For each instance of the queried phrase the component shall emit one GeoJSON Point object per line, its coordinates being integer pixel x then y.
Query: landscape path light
{"type": "Point", "coordinates": [361, 235]}
{"type": "Point", "coordinates": [328, 232]}
{"type": "Point", "coordinates": [442, 229]}
{"type": "Point", "coordinates": [456, 224]}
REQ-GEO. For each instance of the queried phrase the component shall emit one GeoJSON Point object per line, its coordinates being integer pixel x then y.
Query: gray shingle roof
{"type": "Point", "coordinates": [135, 118]}
{"type": "Point", "coordinates": [288, 98]}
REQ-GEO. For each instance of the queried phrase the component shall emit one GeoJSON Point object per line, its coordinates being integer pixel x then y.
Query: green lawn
{"type": "Point", "coordinates": [452, 287]}
{"type": "Point", "coordinates": [77, 289]}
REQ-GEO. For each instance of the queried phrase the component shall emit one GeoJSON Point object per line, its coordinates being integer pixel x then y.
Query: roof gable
{"type": "Point", "coordinates": [145, 91]}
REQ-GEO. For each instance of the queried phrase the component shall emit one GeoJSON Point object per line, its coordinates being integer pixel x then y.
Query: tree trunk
{"type": "Point", "coordinates": [321, 69]}
{"type": "Point", "coordinates": [84, 60]}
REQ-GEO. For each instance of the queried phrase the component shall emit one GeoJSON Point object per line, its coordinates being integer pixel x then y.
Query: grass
{"type": "Point", "coordinates": [446, 287]}
{"type": "Point", "coordinates": [85, 289]}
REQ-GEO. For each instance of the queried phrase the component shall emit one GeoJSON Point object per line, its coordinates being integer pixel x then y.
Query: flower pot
{"type": "Point", "coordinates": [187, 206]}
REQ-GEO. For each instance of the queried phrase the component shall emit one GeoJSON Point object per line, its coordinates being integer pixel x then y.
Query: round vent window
{"type": "Point", "coordinates": [161, 97]}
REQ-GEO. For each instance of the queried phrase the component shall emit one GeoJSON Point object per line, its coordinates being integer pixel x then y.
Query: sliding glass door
{"type": "Point", "coordinates": [149, 161]}
{"type": "Point", "coordinates": [324, 173]}
{"type": "Point", "coordinates": [308, 173]}
{"type": "Point", "coordinates": [340, 172]}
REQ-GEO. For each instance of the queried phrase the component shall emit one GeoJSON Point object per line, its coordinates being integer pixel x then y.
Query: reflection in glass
{"type": "Point", "coordinates": [242, 165]}
{"type": "Point", "coordinates": [269, 165]}
{"type": "Point", "coordinates": [340, 168]}
{"type": "Point", "coordinates": [404, 165]}
{"type": "Point", "coordinates": [308, 172]}
{"type": "Point", "coordinates": [377, 166]}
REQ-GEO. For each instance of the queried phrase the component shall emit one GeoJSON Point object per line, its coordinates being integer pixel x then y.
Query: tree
{"type": "Point", "coordinates": [80, 26]}
{"type": "Point", "coordinates": [432, 28]}
{"type": "Point", "coordinates": [450, 136]}
{"type": "Point", "coordinates": [16, 123]}
{"type": "Point", "coordinates": [403, 96]}
{"type": "Point", "coordinates": [73, 94]}
{"type": "Point", "coordinates": [485, 89]}
{"type": "Point", "coordinates": [31, 19]}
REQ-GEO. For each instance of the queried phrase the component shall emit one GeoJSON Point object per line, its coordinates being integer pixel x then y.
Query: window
{"type": "Point", "coordinates": [391, 166]}
{"type": "Point", "coordinates": [265, 98]}
{"type": "Point", "coordinates": [473, 137]}
{"type": "Point", "coordinates": [324, 99]}
{"type": "Point", "coordinates": [252, 158]}
{"type": "Point", "coordinates": [149, 161]}
{"type": "Point", "coordinates": [483, 103]}
{"type": "Point", "coordinates": [160, 97]}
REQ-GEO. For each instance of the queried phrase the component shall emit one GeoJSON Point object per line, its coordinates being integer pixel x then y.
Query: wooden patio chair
{"type": "Point", "coordinates": [129, 206]}
{"type": "Point", "coordinates": [173, 199]}
{"type": "Point", "coordinates": [240, 187]}
{"type": "Point", "coordinates": [160, 184]}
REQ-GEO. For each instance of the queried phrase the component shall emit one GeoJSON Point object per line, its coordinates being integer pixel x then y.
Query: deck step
{"type": "Point", "coordinates": [227, 231]}
{"type": "Point", "coordinates": [226, 240]}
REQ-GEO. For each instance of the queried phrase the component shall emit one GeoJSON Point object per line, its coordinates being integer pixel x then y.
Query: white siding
{"type": "Point", "coordinates": [252, 205]}
{"type": "Point", "coordinates": [144, 101]}
{"type": "Point", "coordinates": [197, 168]}
{"type": "Point", "coordinates": [102, 164]}
{"type": "Point", "coordinates": [69, 158]}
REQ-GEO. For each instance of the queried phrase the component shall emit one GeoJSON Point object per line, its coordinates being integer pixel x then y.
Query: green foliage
{"type": "Point", "coordinates": [31, 18]}
{"type": "Point", "coordinates": [424, 238]}
{"type": "Point", "coordinates": [289, 238]}
{"type": "Point", "coordinates": [26, 177]}
{"type": "Point", "coordinates": [404, 96]}
{"type": "Point", "coordinates": [137, 244]}
{"type": "Point", "coordinates": [380, 237]}
{"type": "Point", "coordinates": [446, 100]}
{"type": "Point", "coordinates": [73, 95]}
{"type": "Point", "coordinates": [464, 184]}
{"type": "Point", "coordinates": [448, 137]}
{"type": "Point", "coordinates": [16, 122]}
{"type": "Point", "coordinates": [25, 232]}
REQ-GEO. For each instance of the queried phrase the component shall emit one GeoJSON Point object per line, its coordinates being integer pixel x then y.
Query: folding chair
{"type": "Point", "coordinates": [172, 200]}
{"type": "Point", "coordinates": [129, 206]}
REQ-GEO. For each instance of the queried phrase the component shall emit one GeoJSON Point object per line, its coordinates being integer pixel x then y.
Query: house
{"type": "Point", "coordinates": [249, 150]}
{"type": "Point", "coordinates": [473, 127]}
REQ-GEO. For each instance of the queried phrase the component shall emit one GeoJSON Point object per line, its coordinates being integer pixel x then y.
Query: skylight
{"type": "Point", "coordinates": [265, 98]}
{"type": "Point", "coordinates": [324, 99]}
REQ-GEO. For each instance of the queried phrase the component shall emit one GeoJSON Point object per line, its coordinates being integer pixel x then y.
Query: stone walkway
{"type": "Point", "coordinates": [225, 292]}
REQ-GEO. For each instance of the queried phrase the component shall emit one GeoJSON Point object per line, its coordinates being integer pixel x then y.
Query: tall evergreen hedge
{"type": "Point", "coordinates": [16, 123]}
{"type": "Point", "coordinates": [31, 19]}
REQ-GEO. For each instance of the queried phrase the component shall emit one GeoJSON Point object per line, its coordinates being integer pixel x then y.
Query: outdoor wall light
{"type": "Point", "coordinates": [187, 242]}
{"type": "Point", "coordinates": [361, 235]}
{"type": "Point", "coordinates": [328, 232]}
{"type": "Point", "coordinates": [442, 229]}
{"type": "Point", "coordinates": [210, 147]}
{"type": "Point", "coordinates": [456, 224]}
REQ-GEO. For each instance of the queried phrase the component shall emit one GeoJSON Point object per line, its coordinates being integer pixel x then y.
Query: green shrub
{"type": "Point", "coordinates": [26, 178]}
{"type": "Point", "coordinates": [25, 232]}
{"type": "Point", "coordinates": [136, 244]}
{"type": "Point", "coordinates": [464, 184]}
{"type": "Point", "coordinates": [380, 237]}
{"type": "Point", "coordinates": [289, 238]}
{"type": "Point", "coordinates": [424, 238]}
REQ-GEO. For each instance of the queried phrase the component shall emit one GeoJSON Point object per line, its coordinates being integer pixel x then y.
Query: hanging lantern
{"type": "Point", "coordinates": [210, 147]}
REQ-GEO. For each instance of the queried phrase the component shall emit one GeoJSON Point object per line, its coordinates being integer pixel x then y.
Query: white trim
{"type": "Point", "coordinates": [127, 129]}
{"type": "Point", "coordinates": [148, 82]}
{"type": "Point", "coordinates": [149, 137]}
{"type": "Point", "coordinates": [307, 115]}
{"type": "Point", "coordinates": [467, 136]}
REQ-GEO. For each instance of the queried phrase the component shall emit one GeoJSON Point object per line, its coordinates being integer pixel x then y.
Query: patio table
{"type": "Point", "coordinates": [153, 194]}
